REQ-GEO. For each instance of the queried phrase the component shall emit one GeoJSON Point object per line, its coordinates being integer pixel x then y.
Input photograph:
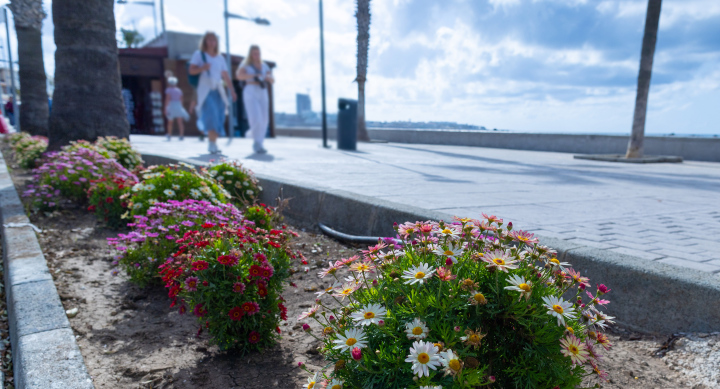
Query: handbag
{"type": "Point", "coordinates": [194, 80]}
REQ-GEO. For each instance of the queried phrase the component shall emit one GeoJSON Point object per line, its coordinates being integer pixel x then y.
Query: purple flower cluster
{"type": "Point", "coordinates": [69, 174]}
{"type": "Point", "coordinates": [154, 235]}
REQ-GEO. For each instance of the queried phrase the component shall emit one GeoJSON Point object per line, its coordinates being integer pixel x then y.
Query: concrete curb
{"type": "Point", "coordinates": [621, 158]}
{"type": "Point", "coordinates": [646, 296]}
{"type": "Point", "coordinates": [45, 354]}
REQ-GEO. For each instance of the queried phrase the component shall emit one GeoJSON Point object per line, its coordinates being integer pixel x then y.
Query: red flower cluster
{"type": "Point", "coordinates": [228, 260]}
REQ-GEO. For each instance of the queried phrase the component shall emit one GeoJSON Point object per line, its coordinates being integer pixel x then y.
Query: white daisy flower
{"type": "Point", "coordinates": [152, 201]}
{"type": "Point", "coordinates": [250, 192]}
{"type": "Point", "coordinates": [500, 260]}
{"type": "Point", "coordinates": [451, 252]}
{"type": "Point", "coordinates": [416, 329]}
{"type": "Point", "coordinates": [228, 173]}
{"type": "Point", "coordinates": [245, 183]}
{"type": "Point", "coordinates": [176, 186]}
{"type": "Point", "coordinates": [418, 273]}
{"type": "Point", "coordinates": [137, 205]}
{"type": "Point", "coordinates": [448, 232]}
{"type": "Point", "coordinates": [312, 381]}
{"type": "Point", "coordinates": [369, 314]}
{"type": "Point", "coordinates": [559, 308]}
{"type": "Point", "coordinates": [336, 384]}
{"type": "Point", "coordinates": [423, 356]}
{"type": "Point", "coordinates": [149, 187]}
{"type": "Point", "coordinates": [137, 187]}
{"type": "Point", "coordinates": [169, 192]}
{"type": "Point", "coordinates": [195, 193]}
{"type": "Point", "coordinates": [238, 184]}
{"type": "Point", "coordinates": [556, 264]}
{"type": "Point", "coordinates": [213, 173]}
{"type": "Point", "coordinates": [519, 284]}
{"type": "Point", "coordinates": [451, 362]}
{"type": "Point", "coordinates": [354, 337]}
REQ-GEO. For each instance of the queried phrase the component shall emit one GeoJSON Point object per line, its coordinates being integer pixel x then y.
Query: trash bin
{"type": "Point", "coordinates": [347, 124]}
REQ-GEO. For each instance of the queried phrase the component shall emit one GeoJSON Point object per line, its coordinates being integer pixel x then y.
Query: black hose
{"type": "Point", "coordinates": [346, 237]}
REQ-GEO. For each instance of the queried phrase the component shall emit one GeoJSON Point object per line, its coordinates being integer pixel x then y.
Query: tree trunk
{"type": "Point", "coordinates": [87, 103]}
{"type": "Point", "coordinates": [363, 41]}
{"type": "Point", "coordinates": [652, 20]}
{"type": "Point", "coordinates": [29, 15]}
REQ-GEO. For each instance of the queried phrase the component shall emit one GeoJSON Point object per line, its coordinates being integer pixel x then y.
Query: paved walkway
{"type": "Point", "coordinates": [659, 212]}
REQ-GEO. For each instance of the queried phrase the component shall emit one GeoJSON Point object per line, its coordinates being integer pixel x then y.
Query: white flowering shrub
{"type": "Point", "coordinates": [459, 305]}
{"type": "Point", "coordinates": [239, 181]}
{"type": "Point", "coordinates": [173, 182]}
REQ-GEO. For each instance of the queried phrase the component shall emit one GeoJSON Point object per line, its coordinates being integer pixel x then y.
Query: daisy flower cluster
{"type": "Point", "coordinates": [231, 278]}
{"type": "Point", "coordinates": [173, 182]}
{"type": "Point", "coordinates": [124, 153]}
{"type": "Point", "coordinates": [27, 149]}
{"type": "Point", "coordinates": [239, 181]}
{"type": "Point", "coordinates": [153, 237]}
{"type": "Point", "coordinates": [459, 304]}
{"type": "Point", "coordinates": [106, 197]}
{"type": "Point", "coordinates": [69, 174]}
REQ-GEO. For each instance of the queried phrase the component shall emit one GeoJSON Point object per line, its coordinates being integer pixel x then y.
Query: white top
{"type": "Point", "coordinates": [254, 72]}
{"type": "Point", "coordinates": [217, 65]}
{"type": "Point", "coordinates": [211, 79]}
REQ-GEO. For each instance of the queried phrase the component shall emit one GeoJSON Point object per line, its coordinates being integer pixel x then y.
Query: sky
{"type": "Point", "coordinates": [565, 66]}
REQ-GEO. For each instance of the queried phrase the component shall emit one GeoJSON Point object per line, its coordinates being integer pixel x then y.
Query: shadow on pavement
{"type": "Point", "coordinates": [261, 157]}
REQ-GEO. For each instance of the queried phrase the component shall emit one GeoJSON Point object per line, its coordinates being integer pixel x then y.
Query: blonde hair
{"type": "Point", "coordinates": [203, 43]}
{"type": "Point", "coordinates": [248, 60]}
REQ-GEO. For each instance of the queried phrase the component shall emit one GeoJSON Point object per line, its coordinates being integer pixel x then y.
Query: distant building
{"type": "Point", "coordinates": [303, 104]}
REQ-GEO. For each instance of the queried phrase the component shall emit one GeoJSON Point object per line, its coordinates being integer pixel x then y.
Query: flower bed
{"type": "Point", "coordinates": [461, 305]}
{"type": "Point", "coordinates": [153, 238]}
{"type": "Point", "coordinates": [237, 180]}
{"type": "Point", "coordinates": [27, 149]}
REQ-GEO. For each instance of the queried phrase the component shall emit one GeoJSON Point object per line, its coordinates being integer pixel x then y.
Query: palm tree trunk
{"type": "Point", "coordinates": [652, 20]}
{"type": "Point", "coordinates": [87, 100]}
{"type": "Point", "coordinates": [29, 15]}
{"type": "Point", "coordinates": [363, 40]}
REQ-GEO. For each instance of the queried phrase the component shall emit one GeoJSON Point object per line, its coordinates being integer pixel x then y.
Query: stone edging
{"type": "Point", "coordinates": [646, 296]}
{"type": "Point", "coordinates": [45, 354]}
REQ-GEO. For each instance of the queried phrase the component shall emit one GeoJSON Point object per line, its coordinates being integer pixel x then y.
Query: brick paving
{"type": "Point", "coordinates": [657, 212]}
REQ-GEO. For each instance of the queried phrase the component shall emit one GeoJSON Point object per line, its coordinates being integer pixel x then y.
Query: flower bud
{"type": "Point", "coordinates": [492, 377]}
{"type": "Point", "coordinates": [374, 282]}
{"type": "Point", "coordinates": [509, 226]}
{"type": "Point", "coordinates": [331, 319]}
{"type": "Point", "coordinates": [381, 323]}
{"type": "Point", "coordinates": [300, 364]}
{"type": "Point", "coordinates": [448, 262]}
{"type": "Point", "coordinates": [356, 353]}
{"type": "Point", "coordinates": [457, 329]}
{"type": "Point", "coordinates": [306, 327]}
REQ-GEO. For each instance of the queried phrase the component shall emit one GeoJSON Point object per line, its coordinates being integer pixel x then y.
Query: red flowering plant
{"type": "Point", "coordinates": [108, 199]}
{"type": "Point", "coordinates": [153, 237]}
{"type": "Point", "coordinates": [262, 215]}
{"type": "Point", "coordinates": [231, 280]}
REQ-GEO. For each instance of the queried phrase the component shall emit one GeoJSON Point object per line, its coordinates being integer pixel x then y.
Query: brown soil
{"type": "Point", "coordinates": [130, 338]}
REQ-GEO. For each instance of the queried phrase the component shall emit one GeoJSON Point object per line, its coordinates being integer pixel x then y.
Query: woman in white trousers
{"type": "Point", "coordinates": [257, 77]}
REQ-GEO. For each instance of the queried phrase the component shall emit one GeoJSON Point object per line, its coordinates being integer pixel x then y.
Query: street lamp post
{"type": "Point", "coordinates": [228, 16]}
{"type": "Point", "coordinates": [322, 77]}
{"type": "Point", "coordinates": [11, 65]}
{"type": "Point", "coordinates": [150, 4]}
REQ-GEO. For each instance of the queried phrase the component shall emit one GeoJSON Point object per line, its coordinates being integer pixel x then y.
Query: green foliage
{"type": "Point", "coordinates": [108, 199]}
{"type": "Point", "coordinates": [232, 281]}
{"type": "Point", "coordinates": [459, 306]}
{"type": "Point", "coordinates": [83, 144]}
{"type": "Point", "coordinates": [263, 216]}
{"type": "Point", "coordinates": [237, 180]}
{"type": "Point", "coordinates": [173, 182]}
{"type": "Point", "coordinates": [124, 153]}
{"type": "Point", "coordinates": [131, 38]}
{"type": "Point", "coordinates": [27, 149]}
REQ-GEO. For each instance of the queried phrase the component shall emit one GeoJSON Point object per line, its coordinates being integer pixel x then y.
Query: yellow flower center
{"type": "Point", "coordinates": [570, 330]}
{"type": "Point", "coordinates": [347, 291]}
{"type": "Point", "coordinates": [419, 275]}
{"type": "Point", "coordinates": [522, 238]}
{"type": "Point", "coordinates": [417, 331]}
{"type": "Point", "coordinates": [369, 315]}
{"type": "Point", "coordinates": [448, 253]}
{"type": "Point", "coordinates": [423, 358]}
{"type": "Point", "coordinates": [499, 261]}
{"type": "Point", "coordinates": [336, 386]}
{"type": "Point", "coordinates": [350, 341]}
{"type": "Point", "coordinates": [573, 349]}
{"type": "Point", "coordinates": [454, 364]}
{"type": "Point", "coordinates": [479, 297]}
{"type": "Point", "coordinates": [474, 338]}
{"type": "Point", "coordinates": [555, 261]}
{"type": "Point", "coordinates": [311, 385]}
{"type": "Point", "coordinates": [524, 287]}
{"type": "Point", "coordinates": [447, 231]}
{"type": "Point", "coordinates": [410, 230]}
{"type": "Point", "coordinates": [558, 309]}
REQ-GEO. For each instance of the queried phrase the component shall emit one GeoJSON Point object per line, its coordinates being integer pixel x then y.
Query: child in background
{"type": "Point", "coordinates": [174, 109]}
